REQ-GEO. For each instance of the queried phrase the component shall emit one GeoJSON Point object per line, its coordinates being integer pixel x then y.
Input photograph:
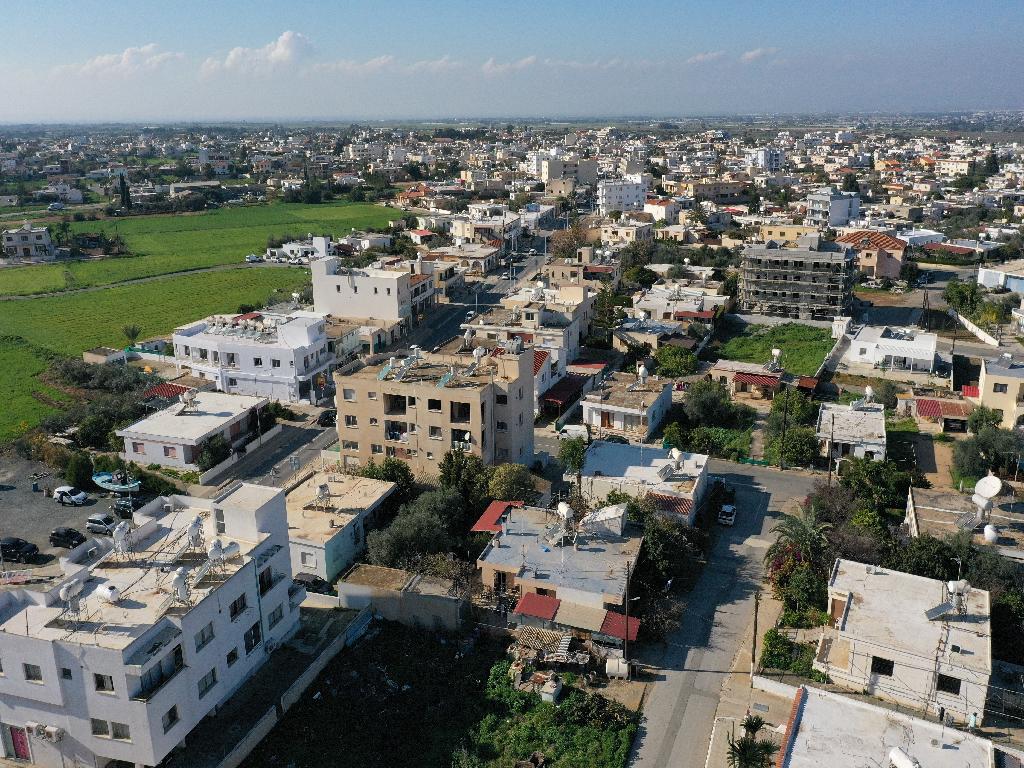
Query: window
{"type": "Point", "coordinates": [207, 681]}
{"type": "Point", "coordinates": [375, 290]}
{"type": "Point", "coordinates": [309, 559]}
{"type": "Point", "coordinates": [170, 718]}
{"type": "Point", "coordinates": [266, 580]}
{"type": "Point", "coordinates": [435, 433]}
{"type": "Point", "coordinates": [104, 683]}
{"type": "Point", "coordinates": [120, 731]}
{"type": "Point", "coordinates": [948, 684]}
{"type": "Point", "coordinates": [411, 401]}
{"type": "Point", "coordinates": [374, 448]}
{"type": "Point", "coordinates": [350, 445]}
{"type": "Point", "coordinates": [372, 395]}
{"type": "Point", "coordinates": [434, 405]}
{"type": "Point", "coordinates": [257, 362]}
{"type": "Point", "coordinates": [237, 606]}
{"type": "Point", "coordinates": [430, 455]}
{"type": "Point", "coordinates": [999, 387]}
{"type": "Point", "coordinates": [204, 636]}
{"type": "Point", "coordinates": [170, 452]}
{"type": "Point", "coordinates": [232, 382]}
{"type": "Point", "coordinates": [99, 727]}
{"type": "Point", "coordinates": [501, 426]}
{"type": "Point", "coordinates": [232, 656]}
{"type": "Point", "coordinates": [138, 447]}
{"type": "Point", "coordinates": [501, 399]}
{"type": "Point", "coordinates": [349, 395]}
{"type": "Point", "coordinates": [253, 637]}
{"type": "Point", "coordinates": [373, 421]}
{"type": "Point", "coordinates": [275, 616]}
{"type": "Point", "coordinates": [351, 421]}
{"type": "Point", "coordinates": [65, 673]}
{"type": "Point", "coordinates": [33, 673]}
{"type": "Point", "coordinates": [880, 666]}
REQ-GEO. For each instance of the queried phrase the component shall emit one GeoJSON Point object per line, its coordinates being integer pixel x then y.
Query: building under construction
{"type": "Point", "coordinates": [805, 282]}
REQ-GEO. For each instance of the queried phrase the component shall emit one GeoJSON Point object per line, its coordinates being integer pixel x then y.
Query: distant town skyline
{"type": "Point", "coordinates": [115, 61]}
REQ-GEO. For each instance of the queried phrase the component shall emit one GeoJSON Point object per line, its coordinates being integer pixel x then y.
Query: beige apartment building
{"type": "Point", "coordinates": [715, 190]}
{"type": "Point", "coordinates": [786, 235]}
{"type": "Point", "coordinates": [1001, 388]}
{"type": "Point", "coordinates": [418, 408]}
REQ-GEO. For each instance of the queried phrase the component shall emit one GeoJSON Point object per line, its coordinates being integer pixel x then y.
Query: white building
{"type": "Point", "coordinates": [620, 195]}
{"type": "Point", "coordinates": [115, 659]}
{"type": "Point", "coordinates": [283, 356]}
{"type": "Point", "coordinates": [916, 238]}
{"type": "Point", "coordinates": [895, 348]}
{"type": "Point", "coordinates": [770, 159]}
{"type": "Point", "coordinates": [382, 294]}
{"type": "Point", "coordinates": [856, 430]}
{"type": "Point", "coordinates": [28, 242]}
{"type": "Point", "coordinates": [907, 639]}
{"type": "Point", "coordinates": [627, 405]}
{"type": "Point", "coordinates": [174, 436]}
{"type": "Point", "coordinates": [830, 208]}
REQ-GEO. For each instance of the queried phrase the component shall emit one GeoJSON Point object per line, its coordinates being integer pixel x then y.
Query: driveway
{"type": "Point", "coordinates": [697, 659]}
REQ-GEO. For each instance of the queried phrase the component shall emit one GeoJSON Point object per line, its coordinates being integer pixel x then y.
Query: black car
{"type": "Point", "coordinates": [615, 439]}
{"type": "Point", "coordinates": [313, 583]}
{"type": "Point", "coordinates": [68, 538]}
{"type": "Point", "coordinates": [18, 550]}
{"type": "Point", "coordinates": [328, 418]}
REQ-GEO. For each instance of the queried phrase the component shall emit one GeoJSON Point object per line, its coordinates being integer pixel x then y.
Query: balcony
{"type": "Point", "coordinates": [396, 431]}
{"type": "Point", "coordinates": [146, 696]}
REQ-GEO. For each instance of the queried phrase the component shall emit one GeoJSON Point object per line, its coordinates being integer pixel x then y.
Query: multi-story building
{"type": "Point", "coordinates": [770, 159]}
{"type": "Point", "coordinates": [627, 405]}
{"type": "Point", "coordinates": [284, 356]}
{"type": "Point", "coordinates": [797, 282]}
{"type": "Point", "coordinates": [382, 294]}
{"type": "Point", "coordinates": [830, 208]}
{"type": "Point", "coordinates": [786, 235]}
{"type": "Point", "coordinates": [878, 254]}
{"type": "Point", "coordinates": [28, 242]}
{"type": "Point", "coordinates": [117, 657]}
{"type": "Point", "coordinates": [588, 269]}
{"type": "Point", "coordinates": [576, 169]}
{"type": "Point", "coordinates": [420, 407]}
{"type": "Point", "coordinates": [620, 195]}
{"type": "Point", "coordinates": [1001, 388]}
{"type": "Point", "coordinates": [856, 430]}
{"type": "Point", "coordinates": [718, 191]}
{"type": "Point", "coordinates": [626, 232]}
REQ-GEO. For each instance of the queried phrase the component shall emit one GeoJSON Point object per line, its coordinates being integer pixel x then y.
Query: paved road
{"type": "Point", "coordinates": [696, 659]}
{"type": "Point", "coordinates": [269, 464]}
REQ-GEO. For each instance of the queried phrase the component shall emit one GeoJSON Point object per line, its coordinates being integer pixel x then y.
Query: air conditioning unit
{"type": "Point", "coordinates": [53, 733]}
{"type": "Point", "coordinates": [31, 727]}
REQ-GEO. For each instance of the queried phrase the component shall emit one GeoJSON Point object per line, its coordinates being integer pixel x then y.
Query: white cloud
{"type": "Point", "coordinates": [704, 57]}
{"type": "Point", "coordinates": [130, 61]}
{"type": "Point", "coordinates": [288, 49]}
{"type": "Point", "coordinates": [445, 64]}
{"type": "Point", "coordinates": [492, 67]}
{"type": "Point", "coordinates": [350, 66]}
{"type": "Point", "coordinates": [757, 53]}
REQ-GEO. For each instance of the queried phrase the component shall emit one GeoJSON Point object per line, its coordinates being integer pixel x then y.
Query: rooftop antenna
{"type": "Point", "coordinates": [323, 496]}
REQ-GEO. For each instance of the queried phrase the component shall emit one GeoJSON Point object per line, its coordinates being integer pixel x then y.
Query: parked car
{"type": "Point", "coordinates": [65, 537]}
{"type": "Point", "coordinates": [55, 207]}
{"type": "Point", "coordinates": [615, 439]}
{"type": "Point", "coordinates": [101, 522]}
{"type": "Point", "coordinates": [17, 550]}
{"type": "Point", "coordinates": [313, 583]}
{"type": "Point", "coordinates": [470, 315]}
{"type": "Point", "coordinates": [328, 418]}
{"type": "Point", "coordinates": [570, 431]}
{"type": "Point", "coordinates": [253, 258]}
{"type": "Point", "coordinates": [125, 507]}
{"type": "Point", "coordinates": [728, 515]}
{"type": "Point", "coordinates": [66, 494]}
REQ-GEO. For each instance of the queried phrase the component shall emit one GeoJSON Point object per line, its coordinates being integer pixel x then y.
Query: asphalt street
{"type": "Point", "coordinates": [693, 663]}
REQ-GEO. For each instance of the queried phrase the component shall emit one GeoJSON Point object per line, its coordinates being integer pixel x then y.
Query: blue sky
{"type": "Point", "coordinates": [350, 59]}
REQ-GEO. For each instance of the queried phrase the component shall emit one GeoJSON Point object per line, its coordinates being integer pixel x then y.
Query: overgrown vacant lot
{"type": "Point", "coordinates": [803, 346]}
{"type": "Point", "coordinates": [25, 399]}
{"type": "Point", "coordinates": [178, 243]}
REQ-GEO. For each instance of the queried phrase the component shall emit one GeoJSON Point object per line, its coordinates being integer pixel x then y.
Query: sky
{"type": "Point", "coordinates": [144, 61]}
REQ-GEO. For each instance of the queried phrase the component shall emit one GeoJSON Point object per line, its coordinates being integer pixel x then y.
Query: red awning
{"type": "Point", "coordinates": [675, 505]}
{"type": "Point", "coordinates": [758, 379]}
{"type": "Point", "coordinates": [615, 625]}
{"type": "Point", "coordinates": [688, 314]}
{"type": "Point", "coordinates": [969, 390]}
{"type": "Point", "coordinates": [807, 382]}
{"type": "Point", "coordinates": [165, 390]}
{"type": "Point", "coordinates": [490, 520]}
{"type": "Point", "coordinates": [539, 606]}
{"type": "Point", "coordinates": [567, 390]}
{"type": "Point", "coordinates": [934, 409]}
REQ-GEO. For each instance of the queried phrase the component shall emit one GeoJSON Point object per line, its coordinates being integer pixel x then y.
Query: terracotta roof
{"type": "Point", "coordinates": [566, 390]}
{"type": "Point", "coordinates": [934, 409]}
{"type": "Point", "coordinates": [957, 249]}
{"type": "Point", "coordinates": [165, 390]}
{"type": "Point", "coordinates": [417, 279]}
{"type": "Point", "coordinates": [489, 521]}
{"type": "Point", "coordinates": [970, 390]}
{"type": "Point", "coordinates": [864, 238]}
{"type": "Point", "coordinates": [675, 505]}
{"type": "Point", "coordinates": [421, 232]}
{"type": "Point", "coordinates": [615, 625]}
{"type": "Point", "coordinates": [246, 316]}
{"type": "Point", "coordinates": [541, 607]}
{"type": "Point", "coordinates": [807, 382]}
{"type": "Point", "coordinates": [688, 314]}
{"type": "Point", "coordinates": [758, 379]}
{"type": "Point", "coordinates": [539, 356]}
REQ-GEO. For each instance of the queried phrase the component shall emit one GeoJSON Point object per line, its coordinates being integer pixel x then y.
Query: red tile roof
{"type": "Point", "coordinates": [246, 316]}
{"type": "Point", "coordinates": [615, 625]}
{"type": "Point", "coordinates": [489, 521]}
{"type": "Point", "coordinates": [675, 505]}
{"type": "Point", "coordinates": [758, 379]}
{"type": "Point", "coordinates": [957, 249]}
{"type": "Point", "coordinates": [165, 390]}
{"type": "Point", "coordinates": [934, 409]}
{"type": "Point", "coordinates": [540, 607]}
{"type": "Point", "coordinates": [688, 314]}
{"type": "Point", "coordinates": [970, 390]}
{"type": "Point", "coordinates": [417, 279]}
{"type": "Point", "coordinates": [807, 382]}
{"type": "Point", "coordinates": [864, 238]}
{"type": "Point", "coordinates": [421, 232]}
{"type": "Point", "coordinates": [539, 356]}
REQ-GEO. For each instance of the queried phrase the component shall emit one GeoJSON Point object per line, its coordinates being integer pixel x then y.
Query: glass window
{"type": "Point", "coordinates": [65, 673]}
{"type": "Point", "coordinates": [232, 656]}
{"type": "Point", "coordinates": [99, 727]}
{"type": "Point", "coordinates": [374, 448]}
{"type": "Point", "coordinates": [434, 405]}
{"type": "Point", "coordinates": [349, 395]}
{"type": "Point", "coordinates": [204, 636]}
{"type": "Point", "coordinates": [435, 433]}
{"type": "Point", "coordinates": [275, 616]}
{"type": "Point", "coordinates": [207, 681]}
{"type": "Point", "coordinates": [253, 637]}
{"type": "Point", "coordinates": [948, 684]}
{"type": "Point", "coordinates": [237, 606]}
{"type": "Point", "coordinates": [351, 421]}
{"type": "Point", "coordinates": [170, 718]}
{"type": "Point", "coordinates": [104, 683]}
{"type": "Point", "coordinates": [120, 731]}
{"type": "Point", "coordinates": [33, 673]}
{"type": "Point", "coordinates": [880, 666]}
{"type": "Point", "coordinates": [170, 452]}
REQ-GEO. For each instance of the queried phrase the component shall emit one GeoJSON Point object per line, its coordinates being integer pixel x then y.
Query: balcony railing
{"type": "Point", "coordinates": [149, 694]}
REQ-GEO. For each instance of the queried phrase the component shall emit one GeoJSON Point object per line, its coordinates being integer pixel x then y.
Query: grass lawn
{"type": "Point", "coordinates": [803, 346]}
{"type": "Point", "coordinates": [68, 325]}
{"type": "Point", "coordinates": [178, 243]}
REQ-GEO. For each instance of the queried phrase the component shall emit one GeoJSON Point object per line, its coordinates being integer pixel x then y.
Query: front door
{"type": "Point", "coordinates": [606, 420]}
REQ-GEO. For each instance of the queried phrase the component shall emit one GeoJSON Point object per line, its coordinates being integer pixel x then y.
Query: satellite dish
{"type": "Point", "coordinates": [988, 487]}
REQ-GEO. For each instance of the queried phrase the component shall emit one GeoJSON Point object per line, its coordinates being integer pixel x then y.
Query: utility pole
{"type": "Point", "coordinates": [785, 423]}
{"type": "Point", "coordinates": [753, 640]}
{"type": "Point", "coordinates": [831, 442]}
{"type": "Point", "coordinates": [625, 639]}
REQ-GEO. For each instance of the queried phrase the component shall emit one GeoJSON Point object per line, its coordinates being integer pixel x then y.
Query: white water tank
{"type": "Point", "coordinates": [231, 549]}
{"type": "Point", "coordinates": [991, 534]}
{"type": "Point", "coordinates": [69, 590]}
{"type": "Point", "coordinates": [109, 592]}
{"type": "Point", "coordinates": [900, 759]}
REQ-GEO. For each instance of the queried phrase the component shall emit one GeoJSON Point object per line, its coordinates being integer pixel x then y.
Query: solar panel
{"type": "Point", "coordinates": [938, 611]}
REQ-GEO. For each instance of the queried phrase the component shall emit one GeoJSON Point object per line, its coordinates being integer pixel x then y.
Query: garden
{"type": "Point", "coordinates": [804, 347]}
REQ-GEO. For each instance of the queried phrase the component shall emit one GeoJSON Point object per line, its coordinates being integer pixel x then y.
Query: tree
{"type": "Point", "coordinates": [882, 484]}
{"type": "Point", "coordinates": [131, 333]}
{"type": "Point", "coordinates": [792, 408]}
{"type": "Point", "coordinates": [803, 537]}
{"type": "Point", "coordinates": [991, 450]}
{"type": "Point", "coordinates": [123, 191]}
{"type": "Point", "coordinates": [394, 471]}
{"type": "Point", "coordinates": [511, 482]}
{"type": "Point", "coordinates": [850, 183]}
{"type": "Point", "coordinates": [565, 242]}
{"type": "Point", "coordinates": [78, 472]}
{"type": "Point", "coordinates": [572, 455]}
{"type": "Point", "coordinates": [748, 752]}
{"type": "Point", "coordinates": [991, 164]}
{"type": "Point", "coordinates": [982, 417]}
{"type": "Point", "coordinates": [707, 402]}
{"type": "Point", "coordinates": [411, 536]}
{"type": "Point", "coordinates": [674, 362]}
{"type": "Point", "coordinates": [640, 276]}
{"type": "Point", "coordinates": [805, 589]}
{"type": "Point", "coordinates": [467, 475]}
{"type": "Point", "coordinates": [962, 296]}
{"type": "Point", "coordinates": [799, 449]}
{"type": "Point", "coordinates": [212, 452]}
{"type": "Point", "coordinates": [673, 435]}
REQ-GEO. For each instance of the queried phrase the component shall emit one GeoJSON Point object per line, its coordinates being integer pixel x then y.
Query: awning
{"type": "Point", "coordinates": [538, 606]}
{"type": "Point", "coordinates": [935, 409]}
{"type": "Point", "coordinates": [757, 379]}
{"type": "Point", "coordinates": [970, 390]}
{"type": "Point", "coordinates": [674, 505]}
{"type": "Point", "coordinates": [489, 521]}
{"type": "Point", "coordinates": [615, 625]}
{"type": "Point", "coordinates": [567, 390]}
{"type": "Point", "coordinates": [580, 616]}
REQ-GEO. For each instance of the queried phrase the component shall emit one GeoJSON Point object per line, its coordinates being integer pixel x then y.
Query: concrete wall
{"type": "Point", "coordinates": [404, 606]}
{"type": "Point", "coordinates": [986, 338]}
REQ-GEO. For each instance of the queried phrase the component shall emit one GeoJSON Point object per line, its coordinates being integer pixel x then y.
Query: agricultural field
{"type": "Point", "coordinates": [803, 347]}
{"type": "Point", "coordinates": [166, 244]}
{"type": "Point", "coordinates": [68, 325]}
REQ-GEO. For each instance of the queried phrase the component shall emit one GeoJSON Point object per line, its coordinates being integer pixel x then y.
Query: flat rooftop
{"type": "Point", "coordinates": [1004, 367]}
{"type": "Point", "coordinates": [852, 423]}
{"type": "Point", "coordinates": [937, 511]}
{"type": "Point", "coordinates": [644, 466]}
{"type": "Point", "coordinates": [211, 412]}
{"type": "Point", "coordinates": [888, 609]}
{"type": "Point", "coordinates": [842, 732]}
{"type": "Point", "coordinates": [624, 390]}
{"type": "Point", "coordinates": [443, 371]}
{"type": "Point", "coordinates": [319, 508]}
{"type": "Point", "coordinates": [596, 565]}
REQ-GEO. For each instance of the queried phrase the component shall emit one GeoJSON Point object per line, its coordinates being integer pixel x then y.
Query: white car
{"type": "Point", "coordinates": [728, 515]}
{"type": "Point", "coordinates": [66, 494]}
{"type": "Point", "coordinates": [102, 523]}
{"type": "Point", "coordinates": [252, 258]}
{"type": "Point", "coordinates": [571, 431]}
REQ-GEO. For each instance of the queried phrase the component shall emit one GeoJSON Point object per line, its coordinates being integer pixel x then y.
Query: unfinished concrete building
{"type": "Point", "coordinates": [805, 282]}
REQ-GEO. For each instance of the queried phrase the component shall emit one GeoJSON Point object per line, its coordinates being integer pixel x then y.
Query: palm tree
{"type": "Point", "coordinates": [748, 752]}
{"type": "Point", "coordinates": [802, 535]}
{"type": "Point", "coordinates": [752, 724]}
{"type": "Point", "coordinates": [131, 332]}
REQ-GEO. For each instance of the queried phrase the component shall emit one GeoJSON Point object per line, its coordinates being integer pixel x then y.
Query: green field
{"type": "Point", "coordinates": [167, 243]}
{"type": "Point", "coordinates": [71, 324]}
{"type": "Point", "coordinates": [803, 346]}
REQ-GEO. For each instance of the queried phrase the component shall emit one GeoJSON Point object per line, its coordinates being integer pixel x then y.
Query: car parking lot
{"type": "Point", "coordinates": [31, 515]}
